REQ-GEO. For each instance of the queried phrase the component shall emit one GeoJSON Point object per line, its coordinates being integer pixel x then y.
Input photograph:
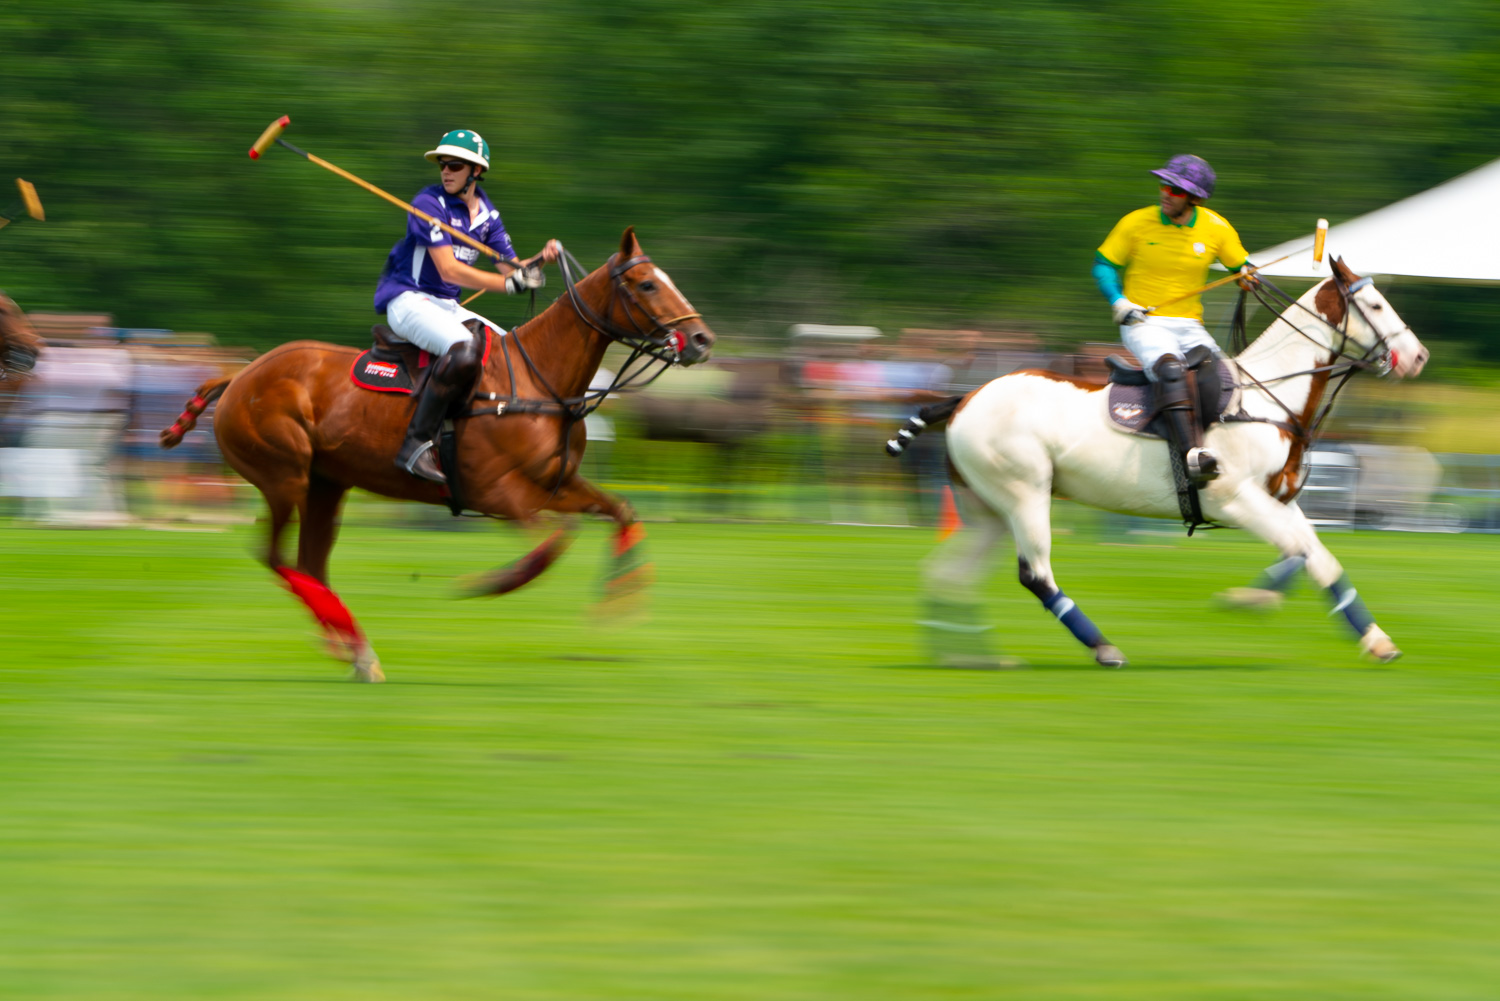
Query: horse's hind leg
{"type": "Point", "coordinates": [1031, 522]}
{"type": "Point", "coordinates": [952, 620]}
{"type": "Point", "coordinates": [1267, 590]}
{"type": "Point", "coordinates": [346, 641]}
{"type": "Point", "coordinates": [1287, 528]}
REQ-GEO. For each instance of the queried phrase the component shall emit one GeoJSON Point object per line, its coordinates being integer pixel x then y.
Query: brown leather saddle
{"type": "Point", "coordinates": [1132, 407]}
{"type": "Point", "coordinates": [392, 365]}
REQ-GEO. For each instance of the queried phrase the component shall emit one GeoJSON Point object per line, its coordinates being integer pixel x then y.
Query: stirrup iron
{"type": "Point", "coordinates": [1202, 465]}
{"type": "Point", "coordinates": [423, 464]}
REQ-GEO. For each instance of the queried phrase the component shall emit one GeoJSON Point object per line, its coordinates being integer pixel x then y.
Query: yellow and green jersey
{"type": "Point", "coordinates": [1163, 260]}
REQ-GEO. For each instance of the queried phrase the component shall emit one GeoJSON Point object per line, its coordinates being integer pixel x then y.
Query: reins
{"type": "Point", "coordinates": [1278, 303]}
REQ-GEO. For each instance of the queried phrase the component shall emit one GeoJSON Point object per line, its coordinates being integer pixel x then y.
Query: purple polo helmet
{"type": "Point", "coordinates": [1190, 173]}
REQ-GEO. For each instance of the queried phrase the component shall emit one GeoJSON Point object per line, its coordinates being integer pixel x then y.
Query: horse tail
{"type": "Point", "coordinates": [205, 394]}
{"type": "Point", "coordinates": [934, 413]}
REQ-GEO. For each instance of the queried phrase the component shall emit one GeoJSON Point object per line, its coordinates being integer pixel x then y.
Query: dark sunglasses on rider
{"type": "Point", "coordinates": [454, 164]}
{"type": "Point", "coordinates": [1174, 190]}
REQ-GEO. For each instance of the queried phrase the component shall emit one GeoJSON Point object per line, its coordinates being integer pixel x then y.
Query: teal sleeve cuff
{"type": "Point", "coordinates": [1107, 277]}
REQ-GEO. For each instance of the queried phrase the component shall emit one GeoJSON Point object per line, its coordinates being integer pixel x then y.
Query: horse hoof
{"type": "Point", "coordinates": [1109, 656]}
{"type": "Point", "coordinates": [1378, 646]}
{"type": "Point", "coordinates": [367, 668]}
{"type": "Point", "coordinates": [980, 662]}
{"type": "Point", "coordinates": [1254, 598]}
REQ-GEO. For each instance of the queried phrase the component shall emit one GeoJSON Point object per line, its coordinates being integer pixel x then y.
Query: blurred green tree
{"type": "Point", "coordinates": [881, 162]}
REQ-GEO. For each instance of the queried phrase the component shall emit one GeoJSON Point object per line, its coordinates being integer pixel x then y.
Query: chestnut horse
{"type": "Point", "coordinates": [19, 347]}
{"type": "Point", "coordinates": [292, 423]}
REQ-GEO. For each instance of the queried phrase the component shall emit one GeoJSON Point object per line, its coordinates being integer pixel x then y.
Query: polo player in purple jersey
{"type": "Point", "coordinates": [424, 274]}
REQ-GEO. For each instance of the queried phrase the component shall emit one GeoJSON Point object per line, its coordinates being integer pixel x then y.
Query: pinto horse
{"type": "Point", "coordinates": [1023, 438]}
{"type": "Point", "coordinates": [294, 425]}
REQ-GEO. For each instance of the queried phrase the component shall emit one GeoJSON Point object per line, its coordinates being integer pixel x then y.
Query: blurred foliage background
{"type": "Point", "coordinates": [873, 162]}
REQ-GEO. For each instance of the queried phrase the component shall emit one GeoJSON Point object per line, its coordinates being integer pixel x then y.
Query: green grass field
{"type": "Point", "coordinates": [761, 792]}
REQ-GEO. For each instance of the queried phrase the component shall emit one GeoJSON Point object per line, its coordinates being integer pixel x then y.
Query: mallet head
{"type": "Point", "coordinates": [269, 136]}
{"type": "Point", "coordinates": [1320, 236]}
{"type": "Point", "coordinates": [30, 200]}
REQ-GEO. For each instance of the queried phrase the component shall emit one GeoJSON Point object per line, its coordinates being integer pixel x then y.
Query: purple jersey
{"type": "Point", "coordinates": [409, 268]}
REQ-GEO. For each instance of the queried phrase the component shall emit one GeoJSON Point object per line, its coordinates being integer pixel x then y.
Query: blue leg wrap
{"type": "Point", "coordinates": [1279, 576]}
{"type": "Point", "coordinates": [1347, 601]}
{"type": "Point", "coordinates": [1070, 615]}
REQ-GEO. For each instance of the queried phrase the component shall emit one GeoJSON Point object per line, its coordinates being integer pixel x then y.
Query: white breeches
{"type": "Point", "coordinates": [1164, 335]}
{"type": "Point", "coordinates": [432, 324]}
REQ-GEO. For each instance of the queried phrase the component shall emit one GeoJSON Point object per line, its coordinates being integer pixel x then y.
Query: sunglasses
{"type": "Point", "coordinates": [1174, 190]}
{"type": "Point", "coordinates": [454, 164]}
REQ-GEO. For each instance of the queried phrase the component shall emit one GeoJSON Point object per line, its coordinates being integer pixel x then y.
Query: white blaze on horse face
{"type": "Point", "coordinates": [662, 277]}
{"type": "Point", "coordinates": [1408, 356]}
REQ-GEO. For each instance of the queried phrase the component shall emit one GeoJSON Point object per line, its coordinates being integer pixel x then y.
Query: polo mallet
{"type": "Point", "coordinates": [1248, 269]}
{"type": "Point", "coordinates": [273, 134]}
{"type": "Point", "coordinates": [29, 202]}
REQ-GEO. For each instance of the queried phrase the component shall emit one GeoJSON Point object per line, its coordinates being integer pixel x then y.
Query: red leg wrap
{"type": "Point", "coordinates": [627, 538]}
{"type": "Point", "coordinates": [322, 602]}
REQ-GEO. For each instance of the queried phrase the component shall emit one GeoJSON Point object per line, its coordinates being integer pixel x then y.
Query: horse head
{"type": "Point", "coordinates": [1352, 303]}
{"type": "Point", "coordinates": [19, 344]}
{"type": "Point", "coordinates": [654, 305]}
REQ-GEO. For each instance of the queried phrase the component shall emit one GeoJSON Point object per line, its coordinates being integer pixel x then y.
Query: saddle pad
{"type": "Point", "coordinates": [1129, 407]}
{"type": "Point", "coordinates": [385, 373]}
{"type": "Point", "coordinates": [382, 374]}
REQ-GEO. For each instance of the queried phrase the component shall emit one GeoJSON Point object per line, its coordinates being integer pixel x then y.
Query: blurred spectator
{"type": "Point", "coordinates": [74, 409]}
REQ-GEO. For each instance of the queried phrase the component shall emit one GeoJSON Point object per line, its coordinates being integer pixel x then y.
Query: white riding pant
{"type": "Point", "coordinates": [1164, 335]}
{"type": "Point", "coordinates": [432, 324]}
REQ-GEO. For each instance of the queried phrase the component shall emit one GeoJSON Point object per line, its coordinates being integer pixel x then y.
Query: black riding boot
{"type": "Point", "coordinates": [1176, 403]}
{"type": "Point", "coordinates": [452, 377]}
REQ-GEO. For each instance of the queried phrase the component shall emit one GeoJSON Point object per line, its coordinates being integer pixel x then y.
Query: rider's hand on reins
{"type": "Point", "coordinates": [1127, 312]}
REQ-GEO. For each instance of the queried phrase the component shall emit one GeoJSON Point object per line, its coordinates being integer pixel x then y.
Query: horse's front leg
{"type": "Point", "coordinates": [515, 497]}
{"type": "Point", "coordinates": [629, 570]}
{"type": "Point", "coordinates": [1287, 528]}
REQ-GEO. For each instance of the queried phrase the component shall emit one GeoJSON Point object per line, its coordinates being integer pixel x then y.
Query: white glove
{"type": "Point", "coordinates": [1127, 312]}
{"type": "Point", "coordinates": [525, 278]}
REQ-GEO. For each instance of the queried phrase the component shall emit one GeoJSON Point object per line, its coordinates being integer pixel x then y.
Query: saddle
{"type": "Point", "coordinates": [390, 365]}
{"type": "Point", "coordinates": [394, 366]}
{"type": "Point", "coordinates": [1131, 405]}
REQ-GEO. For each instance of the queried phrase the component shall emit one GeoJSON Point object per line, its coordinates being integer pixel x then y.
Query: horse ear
{"type": "Point", "coordinates": [1347, 276]}
{"type": "Point", "coordinates": [629, 245]}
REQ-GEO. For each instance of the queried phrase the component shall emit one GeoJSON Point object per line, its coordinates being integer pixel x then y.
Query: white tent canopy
{"type": "Point", "coordinates": [1450, 232]}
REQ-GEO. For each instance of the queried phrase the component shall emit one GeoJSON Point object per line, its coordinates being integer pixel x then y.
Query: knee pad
{"type": "Point", "coordinates": [1168, 368]}
{"type": "Point", "coordinates": [459, 365]}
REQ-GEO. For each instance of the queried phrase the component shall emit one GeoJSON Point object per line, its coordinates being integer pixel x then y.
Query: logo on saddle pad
{"type": "Point", "coordinates": [381, 370]}
{"type": "Point", "coordinates": [1126, 411]}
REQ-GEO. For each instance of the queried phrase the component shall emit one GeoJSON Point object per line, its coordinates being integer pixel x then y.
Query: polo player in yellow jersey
{"type": "Point", "coordinates": [1165, 251]}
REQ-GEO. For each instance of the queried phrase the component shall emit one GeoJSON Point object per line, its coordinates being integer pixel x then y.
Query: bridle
{"type": "Point", "coordinates": [655, 345]}
{"type": "Point", "coordinates": [1342, 365]}
{"type": "Point", "coordinates": [656, 342]}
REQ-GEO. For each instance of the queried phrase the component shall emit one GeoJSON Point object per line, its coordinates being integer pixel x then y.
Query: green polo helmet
{"type": "Point", "coordinates": [462, 144]}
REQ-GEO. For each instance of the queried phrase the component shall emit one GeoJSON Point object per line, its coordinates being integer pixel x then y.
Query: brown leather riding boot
{"type": "Point", "coordinates": [1175, 397]}
{"type": "Point", "coordinates": [418, 454]}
